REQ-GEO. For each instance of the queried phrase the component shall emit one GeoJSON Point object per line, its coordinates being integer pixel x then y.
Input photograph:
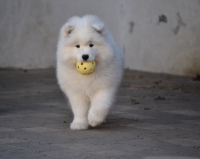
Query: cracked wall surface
{"type": "Point", "coordinates": [155, 35]}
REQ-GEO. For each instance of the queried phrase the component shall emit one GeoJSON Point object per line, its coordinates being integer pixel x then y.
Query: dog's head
{"type": "Point", "coordinates": [84, 39]}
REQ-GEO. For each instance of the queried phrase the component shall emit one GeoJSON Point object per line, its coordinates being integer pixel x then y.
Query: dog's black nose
{"type": "Point", "coordinates": [85, 57]}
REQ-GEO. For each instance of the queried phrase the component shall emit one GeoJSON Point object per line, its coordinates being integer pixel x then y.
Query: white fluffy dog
{"type": "Point", "coordinates": [87, 39]}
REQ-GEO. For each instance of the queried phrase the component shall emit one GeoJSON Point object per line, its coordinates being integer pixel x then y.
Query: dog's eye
{"type": "Point", "coordinates": [78, 46]}
{"type": "Point", "coordinates": [91, 45]}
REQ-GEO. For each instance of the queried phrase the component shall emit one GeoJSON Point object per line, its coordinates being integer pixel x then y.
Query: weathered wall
{"type": "Point", "coordinates": [156, 35]}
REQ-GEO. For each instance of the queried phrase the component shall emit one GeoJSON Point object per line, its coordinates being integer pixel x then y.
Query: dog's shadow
{"type": "Point", "coordinates": [113, 122]}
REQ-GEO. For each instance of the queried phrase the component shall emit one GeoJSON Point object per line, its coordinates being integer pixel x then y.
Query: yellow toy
{"type": "Point", "coordinates": [86, 68]}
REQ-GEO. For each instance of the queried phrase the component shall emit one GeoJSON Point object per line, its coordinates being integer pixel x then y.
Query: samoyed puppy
{"type": "Point", "coordinates": [91, 97]}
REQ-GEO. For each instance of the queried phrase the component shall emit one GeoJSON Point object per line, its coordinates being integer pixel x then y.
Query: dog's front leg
{"type": "Point", "coordinates": [100, 106]}
{"type": "Point", "coordinates": [80, 106]}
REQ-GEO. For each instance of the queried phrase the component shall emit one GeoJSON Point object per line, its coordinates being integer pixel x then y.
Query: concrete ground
{"type": "Point", "coordinates": [154, 115]}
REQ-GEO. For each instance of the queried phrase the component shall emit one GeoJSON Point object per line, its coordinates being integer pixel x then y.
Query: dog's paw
{"type": "Point", "coordinates": [95, 118]}
{"type": "Point", "coordinates": [95, 123]}
{"type": "Point", "coordinates": [79, 126]}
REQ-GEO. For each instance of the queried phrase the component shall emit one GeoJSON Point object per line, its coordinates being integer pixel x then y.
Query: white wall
{"type": "Point", "coordinates": [29, 31]}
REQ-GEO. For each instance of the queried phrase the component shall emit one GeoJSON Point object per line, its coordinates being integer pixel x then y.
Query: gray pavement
{"type": "Point", "coordinates": [154, 115]}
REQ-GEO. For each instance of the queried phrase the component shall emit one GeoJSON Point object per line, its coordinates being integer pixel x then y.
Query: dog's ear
{"type": "Point", "coordinates": [68, 29]}
{"type": "Point", "coordinates": [99, 28]}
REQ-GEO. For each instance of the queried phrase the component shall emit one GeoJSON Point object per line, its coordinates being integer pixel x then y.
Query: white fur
{"type": "Point", "coordinates": [90, 96]}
